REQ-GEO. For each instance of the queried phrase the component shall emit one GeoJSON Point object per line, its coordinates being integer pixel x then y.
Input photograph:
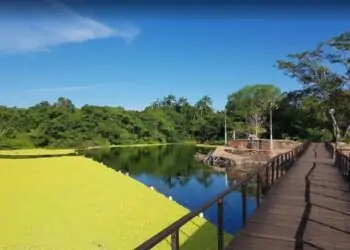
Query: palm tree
{"type": "Point", "coordinates": [156, 104]}
{"type": "Point", "coordinates": [204, 104]}
{"type": "Point", "coordinates": [182, 103]}
{"type": "Point", "coordinates": [169, 100]}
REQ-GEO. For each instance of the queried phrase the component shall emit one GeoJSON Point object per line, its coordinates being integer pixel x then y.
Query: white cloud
{"type": "Point", "coordinates": [53, 24]}
{"type": "Point", "coordinates": [69, 88]}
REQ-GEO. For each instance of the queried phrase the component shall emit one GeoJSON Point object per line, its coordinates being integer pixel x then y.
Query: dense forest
{"type": "Point", "coordinates": [324, 74]}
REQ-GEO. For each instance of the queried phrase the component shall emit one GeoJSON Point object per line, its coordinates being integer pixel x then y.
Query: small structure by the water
{"type": "Point", "coordinates": [239, 161]}
{"type": "Point", "coordinates": [227, 157]}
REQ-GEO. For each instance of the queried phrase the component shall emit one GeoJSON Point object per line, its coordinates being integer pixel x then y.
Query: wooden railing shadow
{"type": "Point", "coordinates": [330, 209]}
{"type": "Point", "coordinates": [328, 187]}
{"type": "Point", "coordinates": [330, 196]}
{"type": "Point", "coordinates": [330, 226]}
{"type": "Point", "coordinates": [299, 235]}
{"type": "Point", "coordinates": [343, 163]}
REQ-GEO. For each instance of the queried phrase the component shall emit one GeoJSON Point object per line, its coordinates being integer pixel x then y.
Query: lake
{"type": "Point", "coordinates": [173, 171]}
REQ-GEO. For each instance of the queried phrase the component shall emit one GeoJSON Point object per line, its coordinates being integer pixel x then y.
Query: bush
{"type": "Point", "coordinates": [15, 143]}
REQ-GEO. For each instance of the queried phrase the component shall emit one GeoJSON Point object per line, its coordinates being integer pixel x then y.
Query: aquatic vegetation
{"type": "Point", "coordinates": [37, 151]}
{"type": "Point", "coordinates": [77, 203]}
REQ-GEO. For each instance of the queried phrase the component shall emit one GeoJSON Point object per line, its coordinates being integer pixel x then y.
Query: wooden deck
{"type": "Point", "coordinates": [286, 220]}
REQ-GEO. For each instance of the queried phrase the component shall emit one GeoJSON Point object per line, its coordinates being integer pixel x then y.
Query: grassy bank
{"type": "Point", "coordinates": [37, 151]}
{"type": "Point", "coordinates": [75, 203]}
{"type": "Point", "coordinates": [44, 151]}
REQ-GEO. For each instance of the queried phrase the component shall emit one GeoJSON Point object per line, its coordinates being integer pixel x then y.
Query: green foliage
{"type": "Point", "coordinates": [250, 104]}
{"type": "Point", "coordinates": [62, 125]}
{"type": "Point", "coordinates": [325, 86]}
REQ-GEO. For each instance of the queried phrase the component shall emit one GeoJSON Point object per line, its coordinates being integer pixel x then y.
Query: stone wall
{"type": "Point", "coordinates": [261, 144]}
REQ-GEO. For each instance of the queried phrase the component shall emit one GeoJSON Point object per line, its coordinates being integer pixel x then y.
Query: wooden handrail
{"type": "Point", "coordinates": [278, 165]}
{"type": "Point", "coordinates": [342, 162]}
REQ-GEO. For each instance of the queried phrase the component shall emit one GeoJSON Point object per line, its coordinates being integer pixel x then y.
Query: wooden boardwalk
{"type": "Point", "coordinates": [288, 220]}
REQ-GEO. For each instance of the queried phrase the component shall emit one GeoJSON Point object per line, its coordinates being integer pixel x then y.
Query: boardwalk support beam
{"type": "Point", "coordinates": [244, 204]}
{"type": "Point", "coordinates": [175, 243]}
{"type": "Point", "coordinates": [258, 191]}
{"type": "Point", "coordinates": [273, 173]}
{"type": "Point", "coordinates": [267, 185]}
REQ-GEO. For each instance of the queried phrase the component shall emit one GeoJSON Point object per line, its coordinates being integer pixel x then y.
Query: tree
{"type": "Point", "coordinates": [251, 103]}
{"type": "Point", "coordinates": [169, 101]}
{"type": "Point", "coordinates": [63, 103]}
{"type": "Point", "coordinates": [4, 116]}
{"type": "Point", "coordinates": [323, 81]}
{"type": "Point", "coordinates": [204, 105]}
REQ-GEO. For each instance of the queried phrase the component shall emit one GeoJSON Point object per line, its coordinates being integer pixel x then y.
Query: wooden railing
{"type": "Point", "coordinates": [330, 148]}
{"type": "Point", "coordinates": [265, 178]}
{"type": "Point", "coordinates": [342, 162]}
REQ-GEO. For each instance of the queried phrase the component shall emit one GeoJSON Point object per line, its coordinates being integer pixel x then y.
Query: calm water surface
{"type": "Point", "coordinates": [173, 171]}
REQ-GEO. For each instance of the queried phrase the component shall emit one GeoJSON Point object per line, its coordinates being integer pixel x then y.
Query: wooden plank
{"type": "Point", "coordinates": [276, 219]}
{"type": "Point", "coordinates": [272, 230]}
{"type": "Point", "coordinates": [243, 242]}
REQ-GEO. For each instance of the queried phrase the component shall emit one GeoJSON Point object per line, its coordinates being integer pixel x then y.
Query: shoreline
{"type": "Point", "coordinates": [58, 151]}
{"type": "Point", "coordinates": [156, 144]}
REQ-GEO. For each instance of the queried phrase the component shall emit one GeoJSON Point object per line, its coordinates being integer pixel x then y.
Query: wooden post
{"type": "Point", "coordinates": [220, 225]}
{"type": "Point", "coordinates": [258, 179]}
{"type": "Point", "coordinates": [278, 165]}
{"type": "Point", "coordinates": [244, 204]}
{"type": "Point", "coordinates": [175, 243]}
{"type": "Point", "coordinates": [273, 172]}
{"type": "Point", "coordinates": [267, 180]}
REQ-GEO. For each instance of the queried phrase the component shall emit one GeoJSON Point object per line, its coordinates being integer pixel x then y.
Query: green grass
{"type": "Point", "coordinates": [77, 203]}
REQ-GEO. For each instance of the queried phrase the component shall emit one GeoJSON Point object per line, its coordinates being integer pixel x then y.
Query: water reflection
{"type": "Point", "coordinates": [173, 171]}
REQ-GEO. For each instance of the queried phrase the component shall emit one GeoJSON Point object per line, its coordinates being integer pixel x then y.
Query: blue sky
{"type": "Point", "coordinates": [107, 58]}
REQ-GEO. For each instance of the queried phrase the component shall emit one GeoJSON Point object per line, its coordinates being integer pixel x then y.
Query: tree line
{"type": "Point", "coordinates": [324, 74]}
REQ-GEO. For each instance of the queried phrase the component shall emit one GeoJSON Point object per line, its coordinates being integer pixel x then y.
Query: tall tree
{"type": "Point", "coordinates": [169, 101]}
{"type": "Point", "coordinates": [251, 103]}
{"type": "Point", "coordinates": [322, 79]}
{"type": "Point", "coordinates": [204, 105]}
